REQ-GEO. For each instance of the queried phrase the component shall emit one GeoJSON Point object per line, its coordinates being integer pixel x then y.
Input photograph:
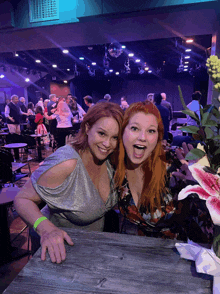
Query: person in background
{"type": "Point", "coordinates": [68, 98]}
{"type": "Point", "coordinates": [13, 115]}
{"type": "Point", "coordinates": [40, 103]}
{"type": "Point", "coordinates": [194, 106]}
{"type": "Point", "coordinates": [77, 111]}
{"type": "Point", "coordinates": [106, 98]}
{"type": "Point", "coordinates": [51, 107]}
{"type": "Point", "coordinates": [76, 182]}
{"type": "Point", "coordinates": [23, 107]}
{"type": "Point", "coordinates": [31, 117]}
{"type": "Point", "coordinates": [124, 104]}
{"type": "Point", "coordinates": [88, 101]}
{"type": "Point", "coordinates": [46, 122]}
{"type": "Point", "coordinates": [41, 129]}
{"type": "Point", "coordinates": [150, 97]}
{"type": "Point", "coordinates": [164, 112]}
{"type": "Point", "coordinates": [168, 105]}
{"type": "Point", "coordinates": [64, 119]}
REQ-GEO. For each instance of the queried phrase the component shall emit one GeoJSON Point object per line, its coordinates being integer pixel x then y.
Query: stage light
{"type": "Point", "coordinates": [185, 69]}
{"type": "Point", "coordinates": [93, 63]}
{"type": "Point", "coordinates": [189, 41]}
{"type": "Point", "coordinates": [146, 68]}
{"type": "Point", "coordinates": [38, 61]}
{"type": "Point", "coordinates": [27, 80]}
{"type": "Point", "coordinates": [81, 58]}
{"type": "Point", "coordinates": [123, 46]}
{"type": "Point", "coordinates": [188, 50]}
{"type": "Point", "coordinates": [137, 60]}
{"type": "Point", "coordinates": [2, 76]}
{"type": "Point", "coordinates": [65, 51]}
{"type": "Point", "coordinates": [131, 54]}
{"type": "Point", "coordinates": [185, 66]}
{"type": "Point", "coordinates": [117, 73]}
{"type": "Point", "coordinates": [16, 54]}
{"type": "Point", "coordinates": [65, 81]}
{"type": "Point", "coordinates": [54, 66]}
{"type": "Point", "coordinates": [186, 62]}
{"type": "Point", "coordinates": [111, 70]}
{"type": "Point", "coordinates": [150, 71]}
{"type": "Point", "coordinates": [68, 69]}
{"type": "Point", "coordinates": [187, 57]}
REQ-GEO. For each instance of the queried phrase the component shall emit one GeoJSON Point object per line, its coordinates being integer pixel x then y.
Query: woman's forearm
{"type": "Point", "coordinates": [29, 212]}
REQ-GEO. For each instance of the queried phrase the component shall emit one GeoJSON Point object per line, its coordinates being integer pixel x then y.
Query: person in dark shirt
{"type": "Point", "coordinates": [164, 112]}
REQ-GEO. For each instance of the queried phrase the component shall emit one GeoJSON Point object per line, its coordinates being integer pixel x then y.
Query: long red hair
{"type": "Point", "coordinates": [154, 167]}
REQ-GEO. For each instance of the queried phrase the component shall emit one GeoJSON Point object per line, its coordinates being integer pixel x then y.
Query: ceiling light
{"type": "Point", "coordinates": [186, 62]}
{"type": "Point", "coordinates": [185, 66]}
{"type": "Point", "coordinates": [117, 73]}
{"type": "Point", "coordinates": [188, 50]}
{"type": "Point", "coordinates": [81, 58]}
{"type": "Point", "coordinates": [131, 54]}
{"type": "Point", "coordinates": [2, 76]}
{"type": "Point", "coordinates": [27, 80]}
{"type": "Point", "coordinates": [146, 68]}
{"type": "Point", "coordinates": [68, 69]}
{"type": "Point", "coordinates": [38, 61]}
{"type": "Point", "coordinates": [111, 70]}
{"type": "Point", "coordinates": [123, 46]}
{"type": "Point", "coordinates": [150, 71]}
{"type": "Point", "coordinates": [185, 69]}
{"type": "Point", "coordinates": [16, 54]}
{"type": "Point", "coordinates": [187, 57]}
{"type": "Point", "coordinates": [137, 60]}
{"type": "Point", "coordinates": [189, 41]}
{"type": "Point", "coordinates": [65, 51]}
{"type": "Point", "coordinates": [93, 63]}
{"type": "Point", "coordinates": [65, 81]}
{"type": "Point", "coordinates": [54, 66]}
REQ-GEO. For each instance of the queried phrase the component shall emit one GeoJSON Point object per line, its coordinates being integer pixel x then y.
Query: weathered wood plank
{"type": "Point", "coordinates": [112, 263]}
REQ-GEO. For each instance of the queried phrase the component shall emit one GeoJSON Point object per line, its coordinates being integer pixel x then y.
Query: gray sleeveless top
{"type": "Point", "coordinates": [76, 202]}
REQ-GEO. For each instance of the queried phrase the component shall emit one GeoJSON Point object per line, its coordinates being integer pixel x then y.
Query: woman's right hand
{"type": "Point", "coordinates": [53, 241]}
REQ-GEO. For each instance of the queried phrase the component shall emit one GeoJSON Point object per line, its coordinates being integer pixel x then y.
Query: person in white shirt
{"type": "Point", "coordinates": [64, 119]}
{"type": "Point", "coordinates": [194, 106]}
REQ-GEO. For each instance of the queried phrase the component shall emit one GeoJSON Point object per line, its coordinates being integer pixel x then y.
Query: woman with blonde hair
{"type": "Point", "coordinates": [64, 119]}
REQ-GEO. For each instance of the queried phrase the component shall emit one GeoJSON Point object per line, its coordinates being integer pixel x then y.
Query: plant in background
{"type": "Point", "coordinates": [207, 132]}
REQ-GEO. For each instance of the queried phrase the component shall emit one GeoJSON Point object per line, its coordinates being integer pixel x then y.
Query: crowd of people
{"type": "Point", "coordinates": [117, 159]}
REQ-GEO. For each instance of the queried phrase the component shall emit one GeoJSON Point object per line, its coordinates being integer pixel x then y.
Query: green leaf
{"type": "Point", "coordinates": [217, 152]}
{"type": "Point", "coordinates": [210, 123]}
{"type": "Point", "coordinates": [191, 113]}
{"type": "Point", "coordinates": [195, 154]}
{"type": "Point", "coordinates": [205, 118]}
{"type": "Point", "coordinates": [209, 133]}
{"type": "Point", "coordinates": [181, 98]}
{"type": "Point", "coordinates": [216, 112]}
{"type": "Point", "coordinates": [190, 129]}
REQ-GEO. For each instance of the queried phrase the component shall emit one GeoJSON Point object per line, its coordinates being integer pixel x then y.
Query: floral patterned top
{"type": "Point", "coordinates": [177, 219]}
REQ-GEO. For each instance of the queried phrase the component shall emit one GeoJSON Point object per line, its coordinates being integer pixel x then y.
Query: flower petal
{"type": "Point", "coordinates": [208, 181]}
{"type": "Point", "coordinates": [213, 205]}
{"type": "Point", "coordinates": [193, 189]}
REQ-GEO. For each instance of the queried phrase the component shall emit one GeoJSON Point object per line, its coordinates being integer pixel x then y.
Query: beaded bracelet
{"type": "Point", "coordinates": [38, 221]}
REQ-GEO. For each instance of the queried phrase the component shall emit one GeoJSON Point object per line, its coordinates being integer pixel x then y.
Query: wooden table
{"type": "Point", "coordinates": [112, 263]}
{"type": "Point", "coordinates": [16, 147]}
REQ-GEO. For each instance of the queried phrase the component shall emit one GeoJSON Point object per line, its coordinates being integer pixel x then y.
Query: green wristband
{"type": "Point", "coordinates": [38, 221]}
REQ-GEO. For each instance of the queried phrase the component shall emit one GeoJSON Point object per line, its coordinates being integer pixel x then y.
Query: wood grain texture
{"type": "Point", "coordinates": [112, 263]}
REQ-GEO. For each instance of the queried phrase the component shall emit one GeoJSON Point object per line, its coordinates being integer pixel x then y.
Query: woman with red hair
{"type": "Point", "coordinates": [141, 177]}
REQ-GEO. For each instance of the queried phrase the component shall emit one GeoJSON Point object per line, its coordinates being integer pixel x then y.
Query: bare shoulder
{"type": "Point", "coordinates": [56, 175]}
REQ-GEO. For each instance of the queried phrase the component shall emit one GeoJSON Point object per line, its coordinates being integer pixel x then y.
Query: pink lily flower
{"type": "Point", "coordinates": [208, 190]}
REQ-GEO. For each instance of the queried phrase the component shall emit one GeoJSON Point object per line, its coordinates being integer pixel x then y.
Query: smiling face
{"type": "Point", "coordinates": [140, 137]}
{"type": "Point", "coordinates": [103, 137]}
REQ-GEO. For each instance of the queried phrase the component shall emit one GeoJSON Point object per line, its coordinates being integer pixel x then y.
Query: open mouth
{"type": "Point", "coordinates": [104, 151]}
{"type": "Point", "coordinates": [139, 150]}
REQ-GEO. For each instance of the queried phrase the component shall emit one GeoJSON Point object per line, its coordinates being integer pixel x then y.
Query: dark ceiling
{"type": "Point", "coordinates": [162, 56]}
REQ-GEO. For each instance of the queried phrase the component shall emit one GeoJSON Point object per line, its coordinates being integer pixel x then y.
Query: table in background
{"type": "Point", "coordinates": [15, 147]}
{"type": "Point", "coordinates": [39, 153]}
{"type": "Point", "coordinates": [112, 263]}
